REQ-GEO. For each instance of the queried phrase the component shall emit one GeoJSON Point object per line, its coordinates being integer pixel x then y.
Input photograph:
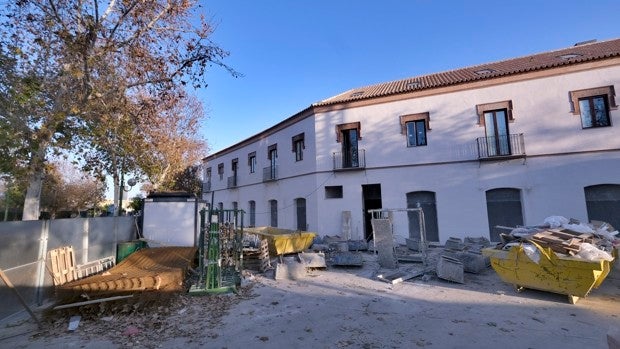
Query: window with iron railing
{"type": "Point", "coordinates": [270, 173]}
{"type": "Point", "coordinates": [511, 145]}
{"type": "Point", "coordinates": [349, 160]}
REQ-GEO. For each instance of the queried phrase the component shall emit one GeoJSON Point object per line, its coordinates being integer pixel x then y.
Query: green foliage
{"type": "Point", "coordinates": [11, 199]}
{"type": "Point", "coordinates": [104, 80]}
{"type": "Point", "coordinates": [136, 204]}
{"type": "Point", "coordinates": [188, 180]}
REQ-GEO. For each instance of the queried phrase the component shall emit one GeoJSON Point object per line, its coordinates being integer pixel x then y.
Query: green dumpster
{"type": "Point", "coordinates": [124, 249]}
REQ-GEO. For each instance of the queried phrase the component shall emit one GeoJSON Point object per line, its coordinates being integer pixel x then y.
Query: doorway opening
{"type": "Point", "coordinates": [371, 196]}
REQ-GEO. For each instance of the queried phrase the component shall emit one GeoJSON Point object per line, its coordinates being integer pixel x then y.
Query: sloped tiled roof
{"type": "Point", "coordinates": [580, 53]}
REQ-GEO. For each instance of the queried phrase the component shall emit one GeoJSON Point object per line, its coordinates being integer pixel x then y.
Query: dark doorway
{"type": "Point", "coordinates": [603, 203]}
{"type": "Point", "coordinates": [426, 201]}
{"type": "Point", "coordinates": [503, 208]}
{"type": "Point", "coordinates": [371, 194]}
{"type": "Point", "coordinates": [300, 203]}
{"type": "Point", "coordinates": [273, 210]}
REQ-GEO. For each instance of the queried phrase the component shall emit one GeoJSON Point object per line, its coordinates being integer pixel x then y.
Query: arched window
{"type": "Point", "coordinates": [503, 208]}
{"type": "Point", "coordinates": [426, 201]}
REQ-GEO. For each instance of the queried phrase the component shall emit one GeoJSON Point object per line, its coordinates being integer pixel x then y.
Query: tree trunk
{"type": "Point", "coordinates": [115, 199]}
{"type": "Point", "coordinates": [32, 203]}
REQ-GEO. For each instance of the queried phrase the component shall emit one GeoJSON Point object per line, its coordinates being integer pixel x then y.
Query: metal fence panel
{"type": "Point", "coordinates": [19, 243]}
{"type": "Point", "coordinates": [24, 280]}
{"type": "Point", "coordinates": [24, 246]}
{"type": "Point", "coordinates": [105, 232]}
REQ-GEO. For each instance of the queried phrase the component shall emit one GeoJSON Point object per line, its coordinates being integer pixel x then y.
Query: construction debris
{"type": "Point", "coordinates": [414, 244]}
{"type": "Point", "coordinates": [161, 268]}
{"type": "Point", "coordinates": [567, 237]}
{"type": "Point", "coordinates": [312, 260]}
{"type": "Point", "coordinates": [357, 245]}
{"type": "Point", "coordinates": [346, 259]}
{"type": "Point", "coordinates": [93, 301]}
{"type": "Point", "coordinates": [256, 256]}
{"type": "Point", "coordinates": [562, 256]}
{"type": "Point", "coordinates": [290, 268]}
{"type": "Point", "coordinates": [400, 276]}
{"type": "Point", "coordinates": [469, 253]}
{"type": "Point", "coordinates": [382, 230]}
{"type": "Point", "coordinates": [450, 269]}
{"type": "Point", "coordinates": [74, 322]}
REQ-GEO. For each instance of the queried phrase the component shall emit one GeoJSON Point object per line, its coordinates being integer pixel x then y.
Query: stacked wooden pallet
{"type": "Point", "coordinates": [561, 241]}
{"type": "Point", "coordinates": [257, 258]}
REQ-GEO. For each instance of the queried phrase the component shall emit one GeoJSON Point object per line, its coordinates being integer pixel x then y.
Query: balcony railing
{"type": "Point", "coordinates": [501, 147]}
{"type": "Point", "coordinates": [354, 159]}
{"type": "Point", "coordinates": [270, 173]}
{"type": "Point", "coordinates": [232, 182]}
{"type": "Point", "coordinates": [206, 187]}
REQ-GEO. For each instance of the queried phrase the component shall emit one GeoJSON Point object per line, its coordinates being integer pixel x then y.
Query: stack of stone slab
{"type": "Point", "coordinates": [464, 254]}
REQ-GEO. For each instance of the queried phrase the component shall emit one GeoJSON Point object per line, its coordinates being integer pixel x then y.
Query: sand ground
{"type": "Point", "coordinates": [340, 308]}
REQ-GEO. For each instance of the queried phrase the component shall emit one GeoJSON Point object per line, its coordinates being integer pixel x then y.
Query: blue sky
{"type": "Point", "coordinates": [294, 53]}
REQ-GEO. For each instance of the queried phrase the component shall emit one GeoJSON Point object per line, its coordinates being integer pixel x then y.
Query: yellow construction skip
{"type": "Point", "coordinates": [567, 275]}
{"type": "Point", "coordinates": [283, 241]}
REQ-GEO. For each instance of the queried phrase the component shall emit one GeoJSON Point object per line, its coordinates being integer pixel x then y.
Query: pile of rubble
{"type": "Point", "coordinates": [569, 237]}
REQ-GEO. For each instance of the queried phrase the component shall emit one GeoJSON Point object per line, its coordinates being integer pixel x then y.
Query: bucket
{"type": "Point", "coordinates": [124, 249]}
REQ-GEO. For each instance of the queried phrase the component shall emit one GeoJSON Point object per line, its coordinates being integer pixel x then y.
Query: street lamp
{"type": "Point", "coordinates": [122, 188]}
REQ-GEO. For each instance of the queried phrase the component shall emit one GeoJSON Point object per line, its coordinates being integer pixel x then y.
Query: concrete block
{"type": "Point", "coordinates": [357, 245]}
{"type": "Point", "coordinates": [384, 241]}
{"type": "Point", "coordinates": [341, 246]}
{"type": "Point", "coordinates": [454, 244]}
{"type": "Point", "coordinates": [450, 269]}
{"type": "Point", "coordinates": [473, 262]}
{"type": "Point", "coordinates": [290, 269]}
{"type": "Point", "coordinates": [312, 260]}
{"type": "Point", "coordinates": [347, 259]}
{"type": "Point", "coordinates": [413, 244]}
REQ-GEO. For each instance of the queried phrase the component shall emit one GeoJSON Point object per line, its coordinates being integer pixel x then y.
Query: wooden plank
{"type": "Point", "coordinates": [101, 300]}
{"type": "Point", "coordinates": [562, 233]}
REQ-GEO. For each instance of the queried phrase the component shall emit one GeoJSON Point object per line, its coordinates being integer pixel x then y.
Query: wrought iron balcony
{"type": "Point", "coordinates": [232, 182]}
{"type": "Point", "coordinates": [206, 187]}
{"type": "Point", "coordinates": [270, 173]}
{"type": "Point", "coordinates": [501, 147]}
{"type": "Point", "coordinates": [350, 160]}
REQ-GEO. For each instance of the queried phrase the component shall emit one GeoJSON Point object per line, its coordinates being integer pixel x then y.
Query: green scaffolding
{"type": "Point", "coordinates": [220, 251]}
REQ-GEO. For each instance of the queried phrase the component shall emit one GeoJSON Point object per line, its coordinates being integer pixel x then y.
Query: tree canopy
{"type": "Point", "coordinates": [105, 81]}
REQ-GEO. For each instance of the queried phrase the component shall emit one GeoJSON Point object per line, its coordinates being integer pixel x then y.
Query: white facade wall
{"type": "Point", "coordinates": [296, 179]}
{"type": "Point", "coordinates": [562, 158]}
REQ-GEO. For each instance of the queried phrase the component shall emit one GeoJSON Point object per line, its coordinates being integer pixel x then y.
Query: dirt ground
{"type": "Point", "coordinates": [338, 308]}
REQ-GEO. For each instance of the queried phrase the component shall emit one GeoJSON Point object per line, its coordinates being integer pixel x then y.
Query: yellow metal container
{"type": "Point", "coordinates": [283, 241]}
{"type": "Point", "coordinates": [571, 276]}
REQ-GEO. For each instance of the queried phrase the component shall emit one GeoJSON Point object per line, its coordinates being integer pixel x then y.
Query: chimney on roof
{"type": "Point", "coordinates": [585, 42]}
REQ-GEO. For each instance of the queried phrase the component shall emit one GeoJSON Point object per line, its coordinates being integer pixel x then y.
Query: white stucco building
{"type": "Point", "coordinates": [502, 143]}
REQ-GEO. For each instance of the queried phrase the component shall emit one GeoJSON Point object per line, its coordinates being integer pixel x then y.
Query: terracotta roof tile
{"type": "Point", "coordinates": [577, 54]}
